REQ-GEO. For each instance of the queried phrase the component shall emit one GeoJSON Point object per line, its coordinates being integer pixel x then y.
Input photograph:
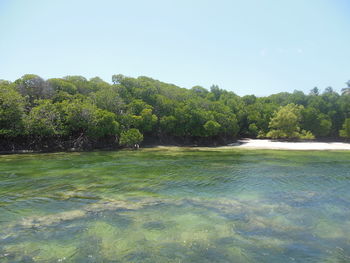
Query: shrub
{"type": "Point", "coordinates": [131, 138]}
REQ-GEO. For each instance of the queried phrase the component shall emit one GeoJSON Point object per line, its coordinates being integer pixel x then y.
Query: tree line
{"type": "Point", "coordinates": [75, 112]}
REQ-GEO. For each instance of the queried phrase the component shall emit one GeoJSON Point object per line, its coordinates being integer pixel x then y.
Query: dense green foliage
{"type": "Point", "coordinates": [345, 131]}
{"type": "Point", "coordinates": [286, 123]}
{"type": "Point", "coordinates": [11, 110]}
{"type": "Point", "coordinates": [74, 107]}
{"type": "Point", "coordinates": [131, 138]}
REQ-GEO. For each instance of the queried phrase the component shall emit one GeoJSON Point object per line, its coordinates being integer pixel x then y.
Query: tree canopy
{"type": "Point", "coordinates": [345, 131]}
{"type": "Point", "coordinates": [286, 123]}
{"type": "Point", "coordinates": [131, 138]}
{"type": "Point", "coordinates": [72, 107]}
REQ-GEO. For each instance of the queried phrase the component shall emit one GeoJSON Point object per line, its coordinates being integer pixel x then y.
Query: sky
{"type": "Point", "coordinates": [256, 47]}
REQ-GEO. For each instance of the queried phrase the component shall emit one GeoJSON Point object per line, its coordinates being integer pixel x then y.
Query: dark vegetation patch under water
{"type": "Point", "coordinates": [175, 205]}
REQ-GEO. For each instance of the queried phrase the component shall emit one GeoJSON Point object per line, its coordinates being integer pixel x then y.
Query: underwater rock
{"type": "Point", "coordinates": [52, 219]}
{"type": "Point", "coordinates": [38, 221]}
{"type": "Point", "coordinates": [154, 225]}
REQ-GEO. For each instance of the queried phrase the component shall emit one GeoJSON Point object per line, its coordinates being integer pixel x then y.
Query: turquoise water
{"type": "Point", "coordinates": [175, 205]}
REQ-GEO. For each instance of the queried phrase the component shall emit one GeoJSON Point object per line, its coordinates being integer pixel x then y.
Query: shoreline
{"type": "Point", "coordinates": [285, 145]}
{"type": "Point", "coordinates": [247, 143]}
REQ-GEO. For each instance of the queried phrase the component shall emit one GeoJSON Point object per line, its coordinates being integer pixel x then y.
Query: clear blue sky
{"type": "Point", "coordinates": [248, 46]}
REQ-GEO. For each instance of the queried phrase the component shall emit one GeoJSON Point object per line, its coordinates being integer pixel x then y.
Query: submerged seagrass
{"type": "Point", "coordinates": [175, 205]}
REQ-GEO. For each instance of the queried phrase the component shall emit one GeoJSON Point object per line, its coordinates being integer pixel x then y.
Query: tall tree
{"type": "Point", "coordinates": [286, 122]}
{"type": "Point", "coordinates": [33, 88]}
{"type": "Point", "coordinates": [346, 91]}
{"type": "Point", "coordinates": [345, 131]}
{"type": "Point", "coordinates": [11, 111]}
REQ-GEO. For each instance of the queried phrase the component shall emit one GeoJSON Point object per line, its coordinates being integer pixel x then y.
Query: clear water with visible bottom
{"type": "Point", "coordinates": [175, 205]}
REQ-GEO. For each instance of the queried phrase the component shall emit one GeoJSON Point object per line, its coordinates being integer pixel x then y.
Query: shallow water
{"type": "Point", "coordinates": [175, 205]}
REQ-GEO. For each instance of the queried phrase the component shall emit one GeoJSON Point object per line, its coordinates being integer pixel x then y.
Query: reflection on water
{"type": "Point", "coordinates": [175, 205]}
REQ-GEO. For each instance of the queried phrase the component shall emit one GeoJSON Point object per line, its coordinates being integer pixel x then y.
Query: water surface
{"type": "Point", "coordinates": [175, 205]}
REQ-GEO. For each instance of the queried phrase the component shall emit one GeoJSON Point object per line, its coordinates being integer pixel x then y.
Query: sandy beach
{"type": "Point", "coordinates": [270, 144]}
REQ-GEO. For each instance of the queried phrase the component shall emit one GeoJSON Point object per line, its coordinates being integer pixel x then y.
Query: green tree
{"type": "Point", "coordinates": [34, 88]}
{"type": "Point", "coordinates": [346, 91]}
{"type": "Point", "coordinates": [325, 126]}
{"type": "Point", "coordinates": [148, 120]}
{"type": "Point", "coordinates": [117, 79]}
{"type": "Point", "coordinates": [61, 85]}
{"type": "Point", "coordinates": [253, 129]}
{"type": "Point", "coordinates": [199, 91]}
{"type": "Point", "coordinates": [82, 84]}
{"type": "Point", "coordinates": [131, 138]}
{"type": "Point", "coordinates": [318, 123]}
{"type": "Point", "coordinates": [11, 111]}
{"type": "Point", "coordinates": [108, 99]}
{"type": "Point", "coordinates": [228, 124]}
{"type": "Point", "coordinates": [286, 123]}
{"type": "Point", "coordinates": [45, 119]}
{"type": "Point", "coordinates": [314, 92]}
{"type": "Point", "coordinates": [84, 118]}
{"type": "Point", "coordinates": [168, 124]}
{"type": "Point", "coordinates": [144, 120]}
{"type": "Point", "coordinates": [97, 84]}
{"type": "Point", "coordinates": [137, 106]}
{"type": "Point", "coordinates": [345, 131]}
{"type": "Point", "coordinates": [104, 124]}
{"type": "Point", "coordinates": [216, 92]}
{"type": "Point", "coordinates": [212, 128]}
{"type": "Point", "coordinates": [75, 107]}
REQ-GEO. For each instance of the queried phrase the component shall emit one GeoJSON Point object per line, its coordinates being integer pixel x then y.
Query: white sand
{"type": "Point", "coordinates": [268, 144]}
